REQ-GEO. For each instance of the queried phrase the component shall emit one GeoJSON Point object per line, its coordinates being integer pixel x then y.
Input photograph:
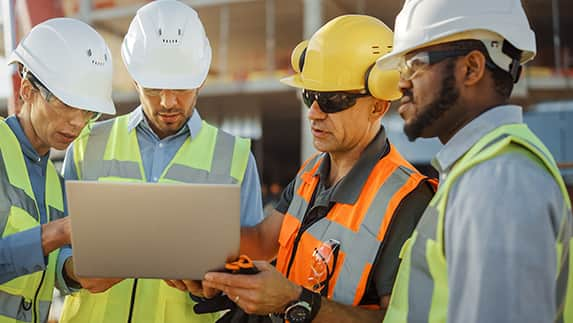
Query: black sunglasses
{"type": "Point", "coordinates": [331, 102]}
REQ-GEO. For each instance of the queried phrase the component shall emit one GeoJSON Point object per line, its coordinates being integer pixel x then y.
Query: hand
{"type": "Point", "coordinates": [98, 285]}
{"type": "Point", "coordinates": [263, 293]}
{"type": "Point", "coordinates": [194, 287]}
{"type": "Point", "coordinates": [55, 234]}
{"type": "Point", "coordinates": [93, 285]}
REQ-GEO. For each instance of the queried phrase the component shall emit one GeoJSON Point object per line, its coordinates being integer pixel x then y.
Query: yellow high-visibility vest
{"type": "Point", "coordinates": [421, 289]}
{"type": "Point", "coordinates": [26, 298]}
{"type": "Point", "coordinates": [110, 152]}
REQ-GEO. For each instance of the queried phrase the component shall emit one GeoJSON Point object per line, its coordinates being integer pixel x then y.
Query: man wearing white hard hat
{"type": "Point", "coordinates": [66, 83]}
{"type": "Point", "coordinates": [167, 53]}
{"type": "Point", "coordinates": [494, 245]}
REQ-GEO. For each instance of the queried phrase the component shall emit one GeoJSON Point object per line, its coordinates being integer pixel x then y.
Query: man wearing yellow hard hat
{"type": "Point", "coordinates": [339, 226]}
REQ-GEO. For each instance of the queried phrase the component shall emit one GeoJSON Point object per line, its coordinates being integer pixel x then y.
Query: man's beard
{"type": "Point", "coordinates": [446, 99]}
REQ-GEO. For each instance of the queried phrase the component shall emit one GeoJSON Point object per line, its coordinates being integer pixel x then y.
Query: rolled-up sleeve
{"type": "Point", "coordinates": [500, 242]}
{"type": "Point", "coordinates": [64, 284]}
{"type": "Point", "coordinates": [21, 254]}
{"type": "Point", "coordinates": [251, 198]}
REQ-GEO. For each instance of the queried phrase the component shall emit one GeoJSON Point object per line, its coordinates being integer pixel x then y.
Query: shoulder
{"type": "Point", "coordinates": [510, 172]}
{"type": "Point", "coordinates": [506, 189]}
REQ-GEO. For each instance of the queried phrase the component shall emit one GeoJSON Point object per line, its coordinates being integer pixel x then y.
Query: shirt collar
{"type": "Point", "coordinates": [137, 118]}
{"type": "Point", "coordinates": [349, 188]}
{"type": "Point", "coordinates": [466, 137]}
{"type": "Point", "coordinates": [25, 143]}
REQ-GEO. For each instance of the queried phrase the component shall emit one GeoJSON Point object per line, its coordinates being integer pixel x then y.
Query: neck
{"type": "Point", "coordinates": [471, 110]}
{"type": "Point", "coordinates": [25, 121]}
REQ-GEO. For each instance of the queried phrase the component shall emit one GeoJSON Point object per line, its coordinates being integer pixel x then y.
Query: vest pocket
{"type": "Point", "coordinates": [15, 308]}
{"type": "Point", "coordinates": [287, 235]}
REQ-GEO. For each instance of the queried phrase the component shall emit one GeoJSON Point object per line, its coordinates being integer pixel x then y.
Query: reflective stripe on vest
{"type": "Point", "coordinates": [205, 159]}
{"type": "Point", "coordinates": [26, 298]}
{"type": "Point", "coordinates": [111, 153]}
{"type": "Point", "coordinates": [360, 227]}
{"type": "Point", "coordinates": [421, 289]}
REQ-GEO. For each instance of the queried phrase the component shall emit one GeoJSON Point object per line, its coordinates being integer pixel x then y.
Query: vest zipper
{"type": "Point", "coordinates": [34, 306]}
{"type": "Point", "coordinates": [132, 301]}
{"type": "Point", "coordinates": [304, 226]}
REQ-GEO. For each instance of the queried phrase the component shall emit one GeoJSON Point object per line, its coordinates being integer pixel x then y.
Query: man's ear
{"type": "Point", "coordinates": [379, 108]}
{"type": "Point", "coordinates": [474, 66]}
{"type": "Point", "coordinates": [26, 90]}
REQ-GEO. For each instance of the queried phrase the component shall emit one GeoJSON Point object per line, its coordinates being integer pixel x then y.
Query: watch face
{"type": "Point", "coordinates": [298, 314]}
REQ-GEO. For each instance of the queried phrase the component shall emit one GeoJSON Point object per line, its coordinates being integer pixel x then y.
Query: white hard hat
{"type": "Point", "coordinates": [166, 47]}
{"type": "Point", "coordinates": [72, 61]}
{"type": "Point", "coordinates": [423, 23]}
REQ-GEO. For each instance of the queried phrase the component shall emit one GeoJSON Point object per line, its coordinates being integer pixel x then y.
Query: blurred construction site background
{"type": "Point", "coordinates": [252, 41]}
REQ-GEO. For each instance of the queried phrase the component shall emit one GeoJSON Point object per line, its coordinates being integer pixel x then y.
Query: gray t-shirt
{"type": "Point", "coordinates": [408, 212]}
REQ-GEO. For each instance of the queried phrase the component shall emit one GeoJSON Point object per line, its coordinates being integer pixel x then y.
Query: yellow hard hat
{"type": "Point", "coordinates": [340, 57]}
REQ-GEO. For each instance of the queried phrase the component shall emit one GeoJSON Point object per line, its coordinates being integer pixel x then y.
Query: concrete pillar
{"type": "Point", "coordinates": [312, 15]}
{"type": "Point", "coordinates": [224, 21]}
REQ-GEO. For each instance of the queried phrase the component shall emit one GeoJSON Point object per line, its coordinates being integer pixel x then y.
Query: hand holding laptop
{"type": "Point", "coordinates": [93, 285]}
{"type": "Point", "coordinates": [153, 224]}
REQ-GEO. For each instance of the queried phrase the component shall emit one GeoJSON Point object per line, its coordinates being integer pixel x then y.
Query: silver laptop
{"type": "Point", "coordinates": [152, 230]}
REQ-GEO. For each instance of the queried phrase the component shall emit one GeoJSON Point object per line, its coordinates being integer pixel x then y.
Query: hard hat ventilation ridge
{"type": "Point", "coordinates": [173, 40]}
{"type": "Point", "coordinates": [376, 50]}
{"type": "Point", "coordinates": [95, 61]}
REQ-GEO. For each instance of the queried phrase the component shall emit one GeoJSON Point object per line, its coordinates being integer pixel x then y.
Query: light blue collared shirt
{"type": "Point", "coordinates": [156, 154]}
{"type": "Point", "coordinates": [499, 230]}
{"type": "Point", "coordinates": [22, 253]}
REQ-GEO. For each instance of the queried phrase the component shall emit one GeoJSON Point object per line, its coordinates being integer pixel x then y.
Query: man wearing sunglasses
{"type": "Point", "coordinates": [167, 53]}
{"type": "Point", "coordinates": [341, 222]}
{"type": "Point", "coordinates": [494, 244]}
{"type": "Point", "coordinates": [58, 100]}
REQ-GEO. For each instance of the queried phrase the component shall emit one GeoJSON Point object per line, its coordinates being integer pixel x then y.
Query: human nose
{"type": "Point", "coordinates": [168, 99]}
{"type": "Point", "coordinates": [404, 84]}
{"type": "Point", "coordinates": [78, 118]}
{"type": "Point", "coordinates": [314, 112]}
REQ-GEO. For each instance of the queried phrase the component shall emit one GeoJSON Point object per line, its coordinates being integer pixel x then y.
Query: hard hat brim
{"type": "Point", "coordinates": [297, 81]}
{"type": "Point", "coordinates": [81, 103]}
{"type": "Point", "coordinates": [293, 81]}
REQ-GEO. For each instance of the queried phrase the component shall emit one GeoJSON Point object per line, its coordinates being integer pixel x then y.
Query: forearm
{"type": "Point", "coordinates": [335, 312]}
{"type": "Point", "coordinates": [253, 244]}
{"type": "Point", "coordinates": [65, 276]}
{"type": "Point", "coordinates": [261, 241]}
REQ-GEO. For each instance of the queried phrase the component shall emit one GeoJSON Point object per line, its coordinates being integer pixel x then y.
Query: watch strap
{"type": "Point", "coordinates": [312, 298]}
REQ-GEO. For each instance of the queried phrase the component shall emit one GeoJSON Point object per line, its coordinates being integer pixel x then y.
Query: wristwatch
{"type": "Point", "coordinates": [304, 309]}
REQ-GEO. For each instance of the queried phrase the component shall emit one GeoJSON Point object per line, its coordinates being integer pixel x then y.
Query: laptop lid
{"type": "Point", "coordinates": [152, 230]}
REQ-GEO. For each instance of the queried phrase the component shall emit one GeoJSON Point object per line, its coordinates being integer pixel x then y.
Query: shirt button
{"type": "Point", "coordinates": [155, 179]}
{"type": "Point", "coordinates": [161, 145]}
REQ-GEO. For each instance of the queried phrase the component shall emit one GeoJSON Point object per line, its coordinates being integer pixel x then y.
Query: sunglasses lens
{"type": "Point", "coordinates": [336, 102]}
{"type": "Point", "coordinates": [307, 98]}
{"type": "Point", "coordinates": [330, 102]}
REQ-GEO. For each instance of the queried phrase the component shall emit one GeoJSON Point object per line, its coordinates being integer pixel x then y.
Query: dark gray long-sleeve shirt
{"type": "Point", "coordinates": [500, 231]}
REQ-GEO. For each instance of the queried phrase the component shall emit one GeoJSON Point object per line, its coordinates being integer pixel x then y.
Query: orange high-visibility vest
{"type": "Point", "coordinates": [360, 227]}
